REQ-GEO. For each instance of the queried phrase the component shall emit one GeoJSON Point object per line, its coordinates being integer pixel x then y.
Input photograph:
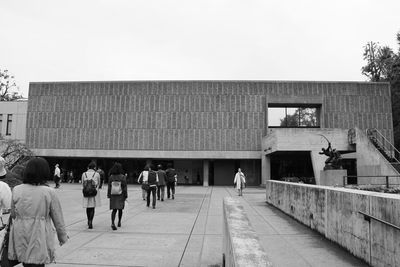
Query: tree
{"type": "Point", "coordinates": [302, 117]}
{"type": "Point", "coordinates": [14, 152]}
{"type": "Point", "coordinates": [8, 87]}
{"type": "Point", "coordinates": [383, 65]}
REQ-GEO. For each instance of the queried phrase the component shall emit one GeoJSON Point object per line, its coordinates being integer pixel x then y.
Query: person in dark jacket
{"type": "Point", "coordinates": [171, 180]}
{"type": "Point", "coordinates": [152, 181]}
{"type": "Point", "coordinates": [102, 175]}
{"type": "Point", "coordinates": [162, 177]}
{"type": "Point", "coordinates": [117, 193]}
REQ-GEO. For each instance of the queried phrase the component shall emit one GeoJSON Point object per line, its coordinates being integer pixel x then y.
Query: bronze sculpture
{"type": "Point", "coordinates": [334, 161]}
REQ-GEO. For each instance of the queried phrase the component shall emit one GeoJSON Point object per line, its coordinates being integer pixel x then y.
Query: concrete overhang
{"type": "Point", "coordinates": [304, 139]}
{"type": "Point", "coordinates": [158, 154]}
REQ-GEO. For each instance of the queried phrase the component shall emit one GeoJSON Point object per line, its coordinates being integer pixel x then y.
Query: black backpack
{"type": "Point", "coordinates": [152, 178]}
{"type": "Point", "coordinates": [89, 187]}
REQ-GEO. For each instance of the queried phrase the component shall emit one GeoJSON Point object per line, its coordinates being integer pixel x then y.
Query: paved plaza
{"type": "Point", "coordinates": [186, 231]}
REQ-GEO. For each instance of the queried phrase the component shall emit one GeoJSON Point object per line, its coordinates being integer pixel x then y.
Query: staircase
{"type": "Point", "coordinates": [384, 146]}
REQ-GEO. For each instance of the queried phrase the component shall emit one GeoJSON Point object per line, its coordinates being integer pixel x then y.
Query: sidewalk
{"type": "Point", "coordinates": [186, 231]}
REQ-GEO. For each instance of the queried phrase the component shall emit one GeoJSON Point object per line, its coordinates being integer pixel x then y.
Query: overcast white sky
{"type": "Point", "coordinates": [64, 40]}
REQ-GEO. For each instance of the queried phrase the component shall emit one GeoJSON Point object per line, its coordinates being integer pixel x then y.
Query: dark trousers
{"type": "Point", "coordinates": [160, 189]}
{"type": "Point", "coordinates": [57, 181]}
{"type": "Point", "coordinates": [152, 190]}
{"type": "Point", "coordinates": [170, 189]}
{"type": "Point", "coordinates": [90, 214]}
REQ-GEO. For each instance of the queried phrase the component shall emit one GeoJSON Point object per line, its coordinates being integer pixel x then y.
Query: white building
{"type": "Point", "coordinates": [13, 116]}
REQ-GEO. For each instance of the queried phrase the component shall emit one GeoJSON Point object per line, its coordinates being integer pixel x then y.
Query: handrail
{"type": "Point", "coordinates": [370, 132]}
{"type": "Point", "coordinates": [379, 220]}
{"type": "Point", "coordinates": [369, 176]}
{"type": "Point", "coordinates": [387, 140]}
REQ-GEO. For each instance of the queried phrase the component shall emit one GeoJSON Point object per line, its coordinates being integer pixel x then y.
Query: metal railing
{"type": "Point", "coordinates": [368, 217]}
{"type": "Point", "coordinates": [386, 181]}
{"type": "Point", "coordinates": [381, 142]}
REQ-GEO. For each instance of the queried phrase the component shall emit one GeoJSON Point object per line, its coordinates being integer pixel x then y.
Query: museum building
{"type": "Point", "coordinates": [206, 129]}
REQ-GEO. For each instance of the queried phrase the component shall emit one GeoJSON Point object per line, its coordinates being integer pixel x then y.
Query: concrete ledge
{"type": "Point", "coordinates": [241, 246]}
{"type": "Point", "coordinates": [336, 213]}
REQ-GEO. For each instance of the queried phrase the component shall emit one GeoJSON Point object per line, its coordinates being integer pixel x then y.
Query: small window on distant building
{"type": "Point", "coordinates": [293, 117]}
{"type": "Point", "coordinates": [1, 124]}
{"type": "Point", "coordinates": [9, 124]}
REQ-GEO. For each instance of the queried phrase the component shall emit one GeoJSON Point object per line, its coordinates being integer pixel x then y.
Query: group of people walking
{"type": "Point", "coordinates": [152, 182]}
{"type": "Point", "coordinates": [34, 207]}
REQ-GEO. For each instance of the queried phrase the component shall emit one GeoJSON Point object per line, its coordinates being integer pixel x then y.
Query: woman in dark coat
{"type": "Point", "coordinates": [117, 193]}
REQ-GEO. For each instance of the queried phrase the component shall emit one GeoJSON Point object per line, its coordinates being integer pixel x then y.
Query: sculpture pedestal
{"type": "Point", "coordinates": [332, 177]}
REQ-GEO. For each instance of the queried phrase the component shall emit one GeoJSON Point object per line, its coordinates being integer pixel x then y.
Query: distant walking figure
{"type": "Point", "coordinates": [57, 176]}
{"type": "Point", "coordinates": [91, 194]}
{"type": "Point", "coordinates": [142, 177]}
{"type": "Point", "coordinates": [117, 193]}
{"type": "Point", "coordinates": [171, 180]}
{"type": "Point", "coordinates": [162, 177]}
{"type": "Point", "coordinates": [152, 181]}
{"type": "Point", "coordinates": [239, 181]}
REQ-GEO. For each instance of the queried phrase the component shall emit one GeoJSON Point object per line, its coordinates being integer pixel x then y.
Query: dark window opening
{"type": "Point", "coordinates": [9, 123]}
{"type": "Point", "coordinates": [1, 124]}
{"type": "Point", "coordinates": [292, 167]}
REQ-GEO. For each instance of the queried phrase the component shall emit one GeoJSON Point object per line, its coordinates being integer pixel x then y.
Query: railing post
{"type": "Point", "coordinates": [344, 180]}
{"type": "Point", "coordinates": [387, 181]}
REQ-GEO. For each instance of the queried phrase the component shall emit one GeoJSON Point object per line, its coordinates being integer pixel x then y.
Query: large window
{"type": "Point", "coordinates": [294, 116]}
{"type": "Point", "coordinates": [9, 123]}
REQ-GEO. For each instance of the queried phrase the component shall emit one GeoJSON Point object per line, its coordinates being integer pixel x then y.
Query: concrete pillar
{"type": "Point", "coordinates": [265, 169]}
{"type": "Point", "coordinates": [206, 171]}
{"type": "Point", "coordinates": [318, 163]}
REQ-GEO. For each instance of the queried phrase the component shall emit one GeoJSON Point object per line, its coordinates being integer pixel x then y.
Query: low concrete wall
{"type": "Point", "coordinates": [241, 246]}
{"type": "Point", "coordinates": [335, 213]}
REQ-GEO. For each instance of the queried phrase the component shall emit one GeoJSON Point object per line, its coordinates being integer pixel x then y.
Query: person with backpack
{"type": "Point", "coordinates": [91, 193]}
{"type": "Point", "coordinates": [143, 176]}
{"type": "Point", "coordinates": [117, 193]}
{"type": "Point", "coordinates": [149, 183]}
{"type": "Point", "coordinates": [171, 180]}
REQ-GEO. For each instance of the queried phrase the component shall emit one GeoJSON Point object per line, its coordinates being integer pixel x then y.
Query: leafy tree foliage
{"type": "Point", "coordinates": [302, 117]}
{"type": "Point", "coordinates": [8, 87]}
{"type": "Point", "coordinates": [14, 152]}
{"type": "Point", "coordinates": [383, 65]}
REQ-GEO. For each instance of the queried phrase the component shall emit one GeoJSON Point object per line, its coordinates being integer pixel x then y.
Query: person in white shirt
{"type": "Point", "coordinates": [239, 181]}
{"type": "Point", "coordinates": [143, 177]}
{"type": "Point", "coordinates": [57, 176]}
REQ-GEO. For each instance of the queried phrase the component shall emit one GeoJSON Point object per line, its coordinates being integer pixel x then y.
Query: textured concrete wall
{"type": "Point", "coordinates": [188, 115]}
{"type": "Point", "coordinates": [335, 213]}
{"type": "Point", "coordinates": [241, 246]}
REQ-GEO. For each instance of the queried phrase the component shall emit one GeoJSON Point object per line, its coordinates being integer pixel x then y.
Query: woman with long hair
{"type": "Point", "coordinates": [35, 207]}
{"type": "Point", "coordinates": [91, 178]}
{"type": "Point", "coordinates": [117, 193]}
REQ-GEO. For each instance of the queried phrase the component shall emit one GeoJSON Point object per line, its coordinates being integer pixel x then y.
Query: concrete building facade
{"type": "Point", "coordinates": [205, 128]}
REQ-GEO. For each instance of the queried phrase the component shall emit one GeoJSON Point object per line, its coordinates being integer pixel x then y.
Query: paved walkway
{"type": "Point", "coordinates": [186, 231]}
